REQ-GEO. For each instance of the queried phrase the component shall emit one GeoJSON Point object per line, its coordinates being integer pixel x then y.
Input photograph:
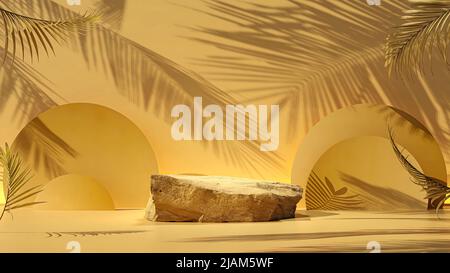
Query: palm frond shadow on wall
{"type": "Point", "coordinates": [113, 12]}
{"type": "Point", "coordinates": [24, 38]}
{"type": "Point", "coordinates": [146, 78]}
{"type": "Point", "coordinates": [39, 144]}
{"type": "Point", "coordinates": [26, 87]}
{"type": "Point", "coordinates": [425, 27]}
{"type": "Point", "coordinates": [321, 194]}
{"type": "Point", "coordinates": [315, 57]}
{"type": "Point", "coordinates": [31, 36]}
{"type": "Point", "coordinates": [357, 194]}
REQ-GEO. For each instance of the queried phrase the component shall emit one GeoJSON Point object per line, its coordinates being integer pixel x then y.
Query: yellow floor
{"type": "Point", "coordinates": [311, 231]}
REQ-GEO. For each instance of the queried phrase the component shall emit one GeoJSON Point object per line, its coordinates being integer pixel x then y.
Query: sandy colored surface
{"type": "Point", "coordinates": [127, 231]}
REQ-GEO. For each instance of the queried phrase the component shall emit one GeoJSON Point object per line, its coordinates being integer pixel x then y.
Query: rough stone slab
{"type": "Point", "coordinates": [179, 198]}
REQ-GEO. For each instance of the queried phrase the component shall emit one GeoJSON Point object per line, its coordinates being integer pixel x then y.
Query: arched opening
{"type": "Point", "coordinates": [347, 158]}
{"type": "Point", "coordinates": [68, 192]}
{"type": "Point", "coordinates": [102, 151]}
{"type": "Point", "coordinates": [360, 174]}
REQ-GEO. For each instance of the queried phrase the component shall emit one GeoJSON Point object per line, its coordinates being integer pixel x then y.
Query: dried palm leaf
{"type": "Point", "coordinates": [424, 27]}
{"type": "Point", "coordinates": [437, 190]}
{"type": "Point", "coordinates": [322, 195]}
{"type": "Point", "coordinates": [31, 35]}
{"type": "Point", "coordinates": [16, 176]}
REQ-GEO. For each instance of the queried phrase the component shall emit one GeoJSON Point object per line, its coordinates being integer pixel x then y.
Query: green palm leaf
{"type": "Point", "coordinates": [16, 177]}
{"type": "Point", "coordinates": [425, 26]}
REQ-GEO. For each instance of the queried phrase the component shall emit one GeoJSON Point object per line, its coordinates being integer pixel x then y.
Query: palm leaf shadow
{"type": "Point", "coordinates": [151, 80]}
{"type": "Point", "coordinates": [155, 82]}
{"type": "Point", "coordinates": [32, 35]}
{"type": "Point", "coordinates": [380, 198]}
{"type": "Point", "coordinates": [58, 234]}
{"type": "Point", "coordinates": [305, 55]}
{"type": "Point", "coordinates": [112, 12]}
{"type": "Point", "coordinates": [322, 195]}
{"type": "Point", "coordinates": [38, 144]}
{"type": "Point", "coordinates": [30, 90]}
{"type": "Point", "coordinates": [424, 26]}
{"type": "Point", "coordinates": [298, 49]}
{"type": "Point", "coordinates": [402, 119]}
{"type": "Point", "coordinates": [138, 71]}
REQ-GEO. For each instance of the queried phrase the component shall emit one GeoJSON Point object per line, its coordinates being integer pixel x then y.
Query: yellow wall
{"type": "Point", "coordinates": [74, 192]}
{"type": "Point", "coordinates": [367, 167]}
{"type": "Point", "coordinates": [107, 147]}
{"type": "Point", "coordinates": [366, 121]}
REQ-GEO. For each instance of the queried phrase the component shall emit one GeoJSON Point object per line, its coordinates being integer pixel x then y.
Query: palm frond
{"type": "Point", "coordinates": [402, 119]}
{"type": "Point", "coordinates": [39, 144]}
{"type": "Point", "coordinates": [152, 81]}
{"type": "Point", "coordinates": [22, 84]}
{"type": "Point", "coordinates": [29, 35]}
{"type": "Point", "coordinates": [301, 53]}
{"type": "Point", "coordinates": [424, 27]}
{"type": "Point", "coordinates": [322, 195]}
{"type": "Point", "coordinates": [16, 177]}
{"type": "Point", "coordinates": [436, 190]}
{"type": "Point", "coordinates": [112, 12]}
{"type": "Point", "coordinates": [33, 94]}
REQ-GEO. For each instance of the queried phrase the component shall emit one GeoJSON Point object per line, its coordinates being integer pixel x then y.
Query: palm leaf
{"type": "Point", "coordinates": [16, 177]}
{"type": "Point", "coordinates": [30, 35]}
{"type": "Point", "coordinates": [112, 12]}
{"type": "Point", "coordinates": [322, 195]}
{"type": "Point", "coordinates": [424, 27]}
{"type": "Point", "coordinates": [38, 143]}
{"type": "Point", "coordinates": [153, 81]}
{"type": "Point", "coordinates": [400, 118]}
{"type": "Point", "coordinates": [301, 54]}
{"type": "Point", "coordinates": [436, 189]}
{"type": "Point", "coordinates": [22, 83]}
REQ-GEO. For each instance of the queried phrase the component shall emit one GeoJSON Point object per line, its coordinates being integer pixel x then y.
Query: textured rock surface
{"type": "Point", "coordinates": [220, 199]}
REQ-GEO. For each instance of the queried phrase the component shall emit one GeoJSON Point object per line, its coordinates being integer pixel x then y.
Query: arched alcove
{"type": "Point", "coordinates": [74, 192]}
{"type": "Point", "coordinates": [359, 135]}
{"type": "Point", "coordinates": [89, 141]}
